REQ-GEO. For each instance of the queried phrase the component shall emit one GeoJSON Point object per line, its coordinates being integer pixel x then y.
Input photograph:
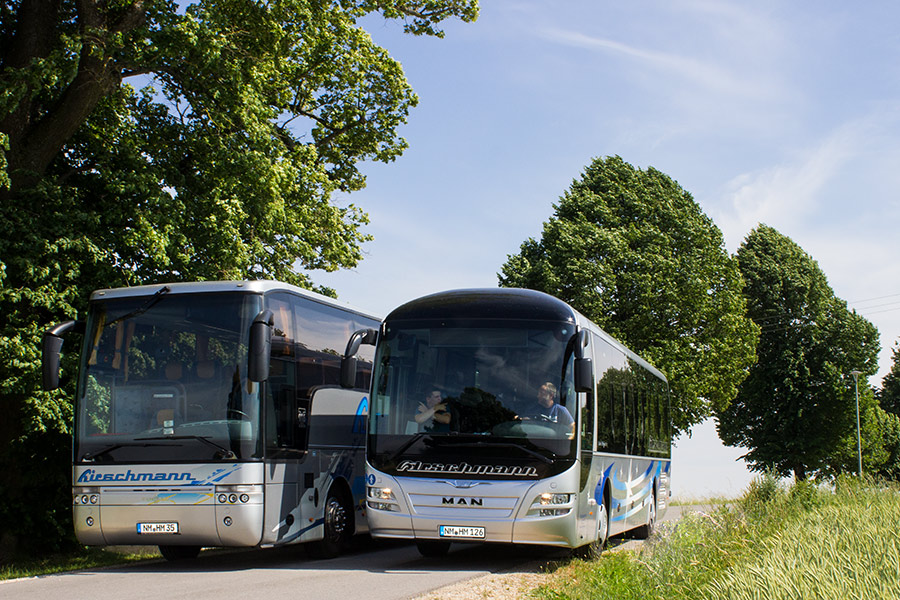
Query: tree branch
{"type": "Point", "coordinates": [36, 143]}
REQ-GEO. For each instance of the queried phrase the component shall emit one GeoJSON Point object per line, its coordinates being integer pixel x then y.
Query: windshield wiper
{"type": "Point", "coordinates": [481, 444]}
{"type": "Point", "coordinates": [145, 306]}
{"type": "Point", "coordinates": [91, 456]}
{"type": "Point", "coordinates": [221, 451]}
{"type": "Point", "coordinates": [415, 438]}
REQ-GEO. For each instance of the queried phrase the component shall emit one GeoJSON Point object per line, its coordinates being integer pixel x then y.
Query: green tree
{"type": "Point", "coordinates": [798, 401]}
{"type": "Point", "coordinates": [633, 252]}
{"type": "Point", "coordinates": [889, 394]}
{"type": "Point", "coordinates": [146, 140]}
{"type": "Point", "coordinates": [880, 441]}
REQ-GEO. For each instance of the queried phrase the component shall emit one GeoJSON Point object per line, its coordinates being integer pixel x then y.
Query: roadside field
{"type": "Point", "coordinates": [776, 543]}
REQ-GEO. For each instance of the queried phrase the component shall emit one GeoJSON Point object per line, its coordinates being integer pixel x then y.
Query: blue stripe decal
{"type": "Point", "coordinates": [359, 423]}
{"type": "Point", "coordinates": [294, 536]}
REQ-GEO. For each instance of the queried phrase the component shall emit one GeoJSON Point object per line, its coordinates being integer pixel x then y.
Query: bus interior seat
{"type": "Point", "coordinates": [165, 414]}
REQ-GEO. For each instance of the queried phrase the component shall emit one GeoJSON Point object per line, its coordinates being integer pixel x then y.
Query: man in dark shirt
{"type": "Point", "coordinates": [432, 414]}
{"type": "Point", "coordinates": [549, 410]}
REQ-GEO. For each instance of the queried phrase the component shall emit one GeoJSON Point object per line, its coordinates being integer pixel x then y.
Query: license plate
{"type": "Point", "coordinates": [462, 532]}
{"type": "Point", "coordinates": [157, 528]}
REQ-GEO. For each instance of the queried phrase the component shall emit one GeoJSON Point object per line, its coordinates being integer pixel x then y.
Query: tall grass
{"type": "Point", "coordinates": [801, 542]}
{"type": "Point", "coordinates": [848, 549]}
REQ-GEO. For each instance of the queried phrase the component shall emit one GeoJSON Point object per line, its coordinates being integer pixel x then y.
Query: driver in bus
{"type": "Point", "coordinates": [548, 410]}
{"type": "Point", "coordinates": [433, 414]}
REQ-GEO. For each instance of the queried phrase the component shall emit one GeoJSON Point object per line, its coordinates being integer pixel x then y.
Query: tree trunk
{"type": "Point", "coordinates": [38, 133]}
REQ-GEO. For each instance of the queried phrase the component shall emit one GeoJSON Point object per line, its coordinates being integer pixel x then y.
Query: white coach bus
{"type": "Point", "coordinates": [503, 415]}
{"type": "Point", "coordinates": [211, 414]}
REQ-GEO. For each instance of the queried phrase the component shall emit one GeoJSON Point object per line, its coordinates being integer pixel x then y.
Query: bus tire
{"type": "Point", "coordinates": [174, 553]}
{"type": "Point", "coordinates": [595, 548]}
{"type": "Point", "coordinates": [337, 527]}
{"type": "Point", "coordinates": [432, 548]}
{"type": "Point", "coordinates": [646, 530]}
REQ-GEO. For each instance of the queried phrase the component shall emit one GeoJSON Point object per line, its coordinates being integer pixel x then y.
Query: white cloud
{"type": "Point", "coordinates": [786, 195]}
{"type": "Point", "coordinates": [838, 200]}
{"type": "Point", "coordinates": [702, 74]}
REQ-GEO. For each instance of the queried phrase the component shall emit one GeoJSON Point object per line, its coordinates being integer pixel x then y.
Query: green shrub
{"type": "Point", "coordinates": [764, 490]}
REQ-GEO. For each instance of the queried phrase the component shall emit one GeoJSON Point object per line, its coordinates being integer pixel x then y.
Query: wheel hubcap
{"type": "Point", "coordinates": [603, 526]}
{"type": "Point", "coordinates": [335, 520]}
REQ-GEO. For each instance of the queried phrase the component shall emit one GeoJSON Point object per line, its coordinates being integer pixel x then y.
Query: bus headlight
{"type": "Point", "coordinates": [86, 496]}
{"type": "Point", "coordinates": [552, 505]}
{"type": "Point", "coordinates": [381, 498]}
{"type": "Point", "coordinates": [239, 494]}
{"type": "Point", "coordinates": [547, 499]}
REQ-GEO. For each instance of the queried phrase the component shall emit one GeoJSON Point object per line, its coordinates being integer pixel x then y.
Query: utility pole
{"type": "Point", "coordinates": [856, 375]}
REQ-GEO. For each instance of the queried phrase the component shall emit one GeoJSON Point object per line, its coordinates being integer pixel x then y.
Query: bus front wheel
{"type": "Point", "coordinates": [595, 548]}
{"type": "Point", "coordinates": [645, 531]}
{"type": "Point", "coordinates": [337, 528]}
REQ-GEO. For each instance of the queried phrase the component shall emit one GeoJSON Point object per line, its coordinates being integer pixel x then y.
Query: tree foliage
{"type": "Point", "coordinates": [798, 401]}
{"type": "Point", "coordinates": [147, 140]}
{"type": "Point", "coordinates": [222, 164]}
{"type": "Point", "coordinates": [889, 394]}
{"type": "Point", "coordinates": [633, 252]}
{"type": "Point", "coordinates": [879, 442]}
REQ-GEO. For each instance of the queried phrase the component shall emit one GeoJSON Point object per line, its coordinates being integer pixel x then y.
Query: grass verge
{"type": "Point", "coordinates": [775, 542]}
{"type": "Point", "coordinates": [86, 558]}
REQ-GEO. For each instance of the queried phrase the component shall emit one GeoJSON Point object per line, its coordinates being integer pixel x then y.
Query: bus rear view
{"type": "Point", "coordinates": [484, 420]}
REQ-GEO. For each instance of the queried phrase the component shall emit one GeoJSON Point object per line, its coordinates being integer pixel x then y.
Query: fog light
{"type": "Point", "coordinates": [227, 521]}
{"type": "Point", "coordinates": [89, 521]}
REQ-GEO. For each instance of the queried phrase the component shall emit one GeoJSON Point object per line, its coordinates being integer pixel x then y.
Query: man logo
{"type": "Point", "coordinates": [463, 501]}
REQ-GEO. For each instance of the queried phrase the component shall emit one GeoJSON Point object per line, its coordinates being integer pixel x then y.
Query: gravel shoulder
{"type": "Point", "coordinates": [515, 584]}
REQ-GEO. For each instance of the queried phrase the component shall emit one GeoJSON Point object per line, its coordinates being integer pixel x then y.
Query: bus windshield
{"type": "Point", "coordinates": [499, 389]}
{"type": "Point", "coordinates": [163, 378]}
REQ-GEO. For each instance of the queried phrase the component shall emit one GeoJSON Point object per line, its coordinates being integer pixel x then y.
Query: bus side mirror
{"type": "Point", "coordinates": [584, 368]}
{"type": "Point", "coordinates": [52, 344]}
{"type": "Point", "coordinates": [348, 361]}
{"type": "Point", "coordinates": [259, 354]}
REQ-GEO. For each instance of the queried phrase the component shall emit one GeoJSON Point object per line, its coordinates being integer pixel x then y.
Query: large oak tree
{"type": "Point", "coordinates": [151, 140]}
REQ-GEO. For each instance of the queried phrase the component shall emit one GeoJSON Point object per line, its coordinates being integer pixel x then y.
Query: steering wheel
{"type": "Point", "coordinates": [241, 414]}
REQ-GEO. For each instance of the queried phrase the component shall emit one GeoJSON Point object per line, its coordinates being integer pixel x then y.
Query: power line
{"type": "Point", "coordinates": [873, 299]}
{"type": "Point", "coordinates": [878, 312]}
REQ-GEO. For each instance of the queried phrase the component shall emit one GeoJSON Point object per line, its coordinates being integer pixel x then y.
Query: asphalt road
{"type": "Point", "coordinates": [373, 570]}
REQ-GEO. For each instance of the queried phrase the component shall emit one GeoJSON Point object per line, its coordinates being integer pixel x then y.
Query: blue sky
{"type": "Point", "coordinates": [782, 113]}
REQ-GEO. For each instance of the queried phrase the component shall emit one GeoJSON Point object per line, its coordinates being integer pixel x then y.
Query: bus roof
{"type": "Point", "coordinates": [506, 303]}
{"type": "Point", "coordinates": [487, 303]}
{"type": "Point", "coordinates": [258, 286]}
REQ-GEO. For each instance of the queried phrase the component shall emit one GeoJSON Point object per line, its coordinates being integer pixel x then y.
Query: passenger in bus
{"type": "Point", "coordinates": [433, 414]}
{"type": "Point", "coordinates": [548, 410]}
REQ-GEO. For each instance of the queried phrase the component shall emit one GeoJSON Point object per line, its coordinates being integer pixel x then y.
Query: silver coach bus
{"type": "Point", "coordinates": [503, 415]}
{"type": "Point", "coordinates": [211, 414]}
